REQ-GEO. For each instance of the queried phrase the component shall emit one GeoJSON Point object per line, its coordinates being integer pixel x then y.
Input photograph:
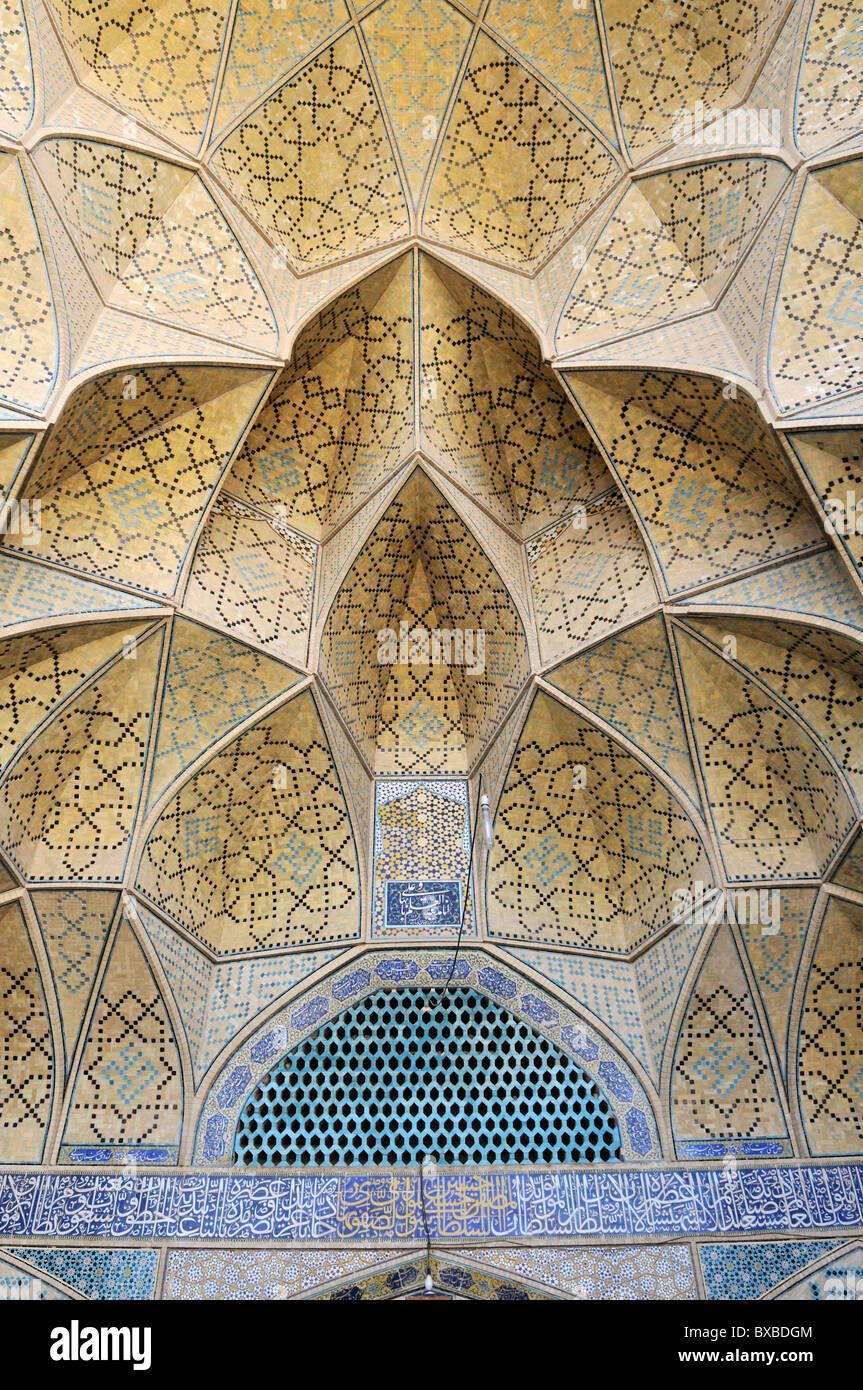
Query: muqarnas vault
{"type": "Point", "coordinates": [527, 333]}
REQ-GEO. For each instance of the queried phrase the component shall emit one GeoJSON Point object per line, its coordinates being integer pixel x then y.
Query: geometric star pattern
{"type": "Point", "coordinates": [394, 394]}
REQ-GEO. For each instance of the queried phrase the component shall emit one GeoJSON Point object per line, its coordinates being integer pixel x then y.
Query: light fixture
{"type": "Point", "coordinates": [485, 812]}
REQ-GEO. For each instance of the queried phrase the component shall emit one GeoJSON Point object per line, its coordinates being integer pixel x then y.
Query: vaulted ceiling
{"type": "Point", "coordinates": [536, 320]}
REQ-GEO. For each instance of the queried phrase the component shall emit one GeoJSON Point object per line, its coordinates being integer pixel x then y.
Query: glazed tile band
{"type": "Point", "coordinates": [385, 1206]}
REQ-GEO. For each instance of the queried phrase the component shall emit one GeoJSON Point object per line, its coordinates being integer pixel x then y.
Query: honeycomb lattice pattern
{"type": "Point", "coordinates": [406, 1074]}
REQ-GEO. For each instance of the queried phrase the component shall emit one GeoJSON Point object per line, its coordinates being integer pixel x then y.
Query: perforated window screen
{"type": "Point", "coordinates": [406, 1073]}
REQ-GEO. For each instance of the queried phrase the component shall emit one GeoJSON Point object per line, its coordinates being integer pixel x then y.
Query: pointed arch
{"type": "Point", "coordinates": [219, 1110]}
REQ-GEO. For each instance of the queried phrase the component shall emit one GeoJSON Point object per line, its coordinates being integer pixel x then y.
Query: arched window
{"type": "Point", "coordinates": [408, 1073]}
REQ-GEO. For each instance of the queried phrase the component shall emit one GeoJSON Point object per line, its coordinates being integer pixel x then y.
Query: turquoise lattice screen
{"type": "Point", "coordinates": [407, 1073]}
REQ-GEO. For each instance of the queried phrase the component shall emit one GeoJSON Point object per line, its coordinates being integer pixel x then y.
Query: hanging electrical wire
{"type": "Point", "coordinates": [427, 1161]}
{"type": "Point", "coordinates": [482, 808]}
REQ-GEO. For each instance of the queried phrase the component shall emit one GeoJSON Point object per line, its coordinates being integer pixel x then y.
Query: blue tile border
{"type": "Point", "coordinates": [385, 1205]}
{"type": "Point", "coordinates": [738, 1148]}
